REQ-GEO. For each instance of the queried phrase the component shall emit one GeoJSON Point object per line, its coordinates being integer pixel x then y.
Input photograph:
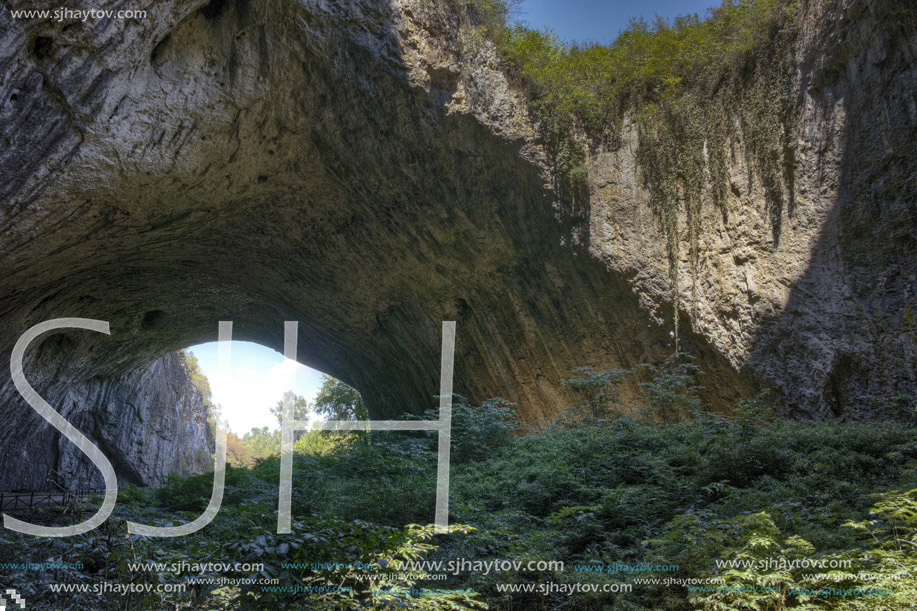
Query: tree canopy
{"type": "Point", "coordinates": [300, 407]}
{"type": "Point", "coordinates": [339, 401]}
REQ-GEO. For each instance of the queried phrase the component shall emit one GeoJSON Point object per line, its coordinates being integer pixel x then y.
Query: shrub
{"type": "Point", "coordinates": [754, 411]}
{"type": "Point", "coordinates": [898, 407]}
{"type": "Point", "coordinates": [193, 493]}
{"type": "Point", "coordinates": [672, 390]}
{"type": "Point", "coordinates": [129, 493]}
{"type": "Point", "coordinates": [323, 443]}
{"type": "Point", "coordinates": [597, 391]}
{"type": "Point", "coordinates": [478, 430]}
{"type": "Point", "coordinates": [632, 491]}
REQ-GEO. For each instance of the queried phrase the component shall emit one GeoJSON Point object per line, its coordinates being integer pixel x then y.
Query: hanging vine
{"type": "Point", "coordinates": [693, 87]}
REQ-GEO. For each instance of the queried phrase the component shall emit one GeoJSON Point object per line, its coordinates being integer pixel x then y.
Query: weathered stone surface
{"type": "Point", "coordinates": [349, 166]}
{"type": "Point", "coordinates": [817, 295]}
{"type": "Point", "coordinates": [149, 423]}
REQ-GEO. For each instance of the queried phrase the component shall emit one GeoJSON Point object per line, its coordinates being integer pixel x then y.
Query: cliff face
{"type": "Point", "coordinates": [150, 423]}
{"type": "Point", "coordinates": [815, 294]}
{"type": "Point", "coordinates": [361, 168]}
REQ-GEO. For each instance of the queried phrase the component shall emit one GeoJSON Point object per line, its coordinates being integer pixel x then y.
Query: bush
{"type": "Point", "coordinates": [597, 392]}
{"type": "Point", "coordinates": [897, 407]}
{"type": "Point", "coordinates": [193, 493]}
{"type": "Point", "coordinates": [754, 411]}
{"type": "Point", "coordinates": [477, 431]}
{"type": "Point", "coordinates": [325, 443]}
{"type": "Point", "coordinates": [672, 390]}
{"type": "Point", "coordinates": [129, 493]}
{"type": "Point", "coordinates": [631, 491]}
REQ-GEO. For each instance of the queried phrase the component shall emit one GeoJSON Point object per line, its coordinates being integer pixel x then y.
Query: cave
{"type": "Point", "coordinates": [741, 199]}
{"type": "Point", "coordinates": [262, 163]}
{"type": "Point", "coordinates": [367, 171]}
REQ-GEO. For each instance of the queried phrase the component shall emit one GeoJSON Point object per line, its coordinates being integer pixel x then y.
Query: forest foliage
{"type": "Point", "coordinates": [656, 481]}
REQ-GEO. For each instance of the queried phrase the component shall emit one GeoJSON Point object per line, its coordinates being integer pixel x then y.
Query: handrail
{"type": "Point", "coordinates": [29, 500]}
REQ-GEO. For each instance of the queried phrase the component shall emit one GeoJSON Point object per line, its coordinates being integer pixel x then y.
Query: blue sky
{"type": "Point", "coordinates": [259, 375]}
{"type": "Point", "coordinates": [601, 20]}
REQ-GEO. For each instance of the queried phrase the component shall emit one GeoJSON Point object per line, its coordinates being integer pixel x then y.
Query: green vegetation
{"type": "Point", "coordinates": [198, 379]}
{"type": "Point", "coordinates": [335, 401]}
{"type": "Point", "coordinates": [478, 430]}
{"type": "Point", "coordinates": [339, 401]}
{"type": "Point", "coordinates": [685, 84]}
{"type": "Point", "coordinates": [735, 502]}
{"type": "Point", "coordinates": [660, 481]}
{"type": "Point", "coordinates": [262, 442]}
{"type": "Point", "coordinates": [299, 407]}
{"type": "Point", "coordinates": [687, 90]}
{"type": "Point", "coordinates": [596, 391]}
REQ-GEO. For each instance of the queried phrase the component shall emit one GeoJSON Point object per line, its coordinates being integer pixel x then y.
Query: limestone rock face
{"type": "Point", "coordinates": [815, 294]}
{"type": "Point", "coordinates": [345, 165]}
{"type": "Point", "coordinates": [358, 167]}
{"type": "Point", "coordinates": [150, 423]}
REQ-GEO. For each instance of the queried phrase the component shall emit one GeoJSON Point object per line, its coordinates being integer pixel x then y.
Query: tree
{"type": "Point", "coordinates": [300, 407]}
{"type": "Point", "coordinates": [339, 401]}
{"type": "Point", "coordinates": [198, 379]}
{"type": "Point", "coordinates": [237, 454]}
{"type": "Point", "coordinates": [322, 443]}
{"type": "Point", "coordinates": [672, 393]}
{"type": "Point", "coordinates": [597, 391]}
{"type": "Point", "coordinates": [262, 442]}
{"type": "Point", "coordinates": [200, 382]}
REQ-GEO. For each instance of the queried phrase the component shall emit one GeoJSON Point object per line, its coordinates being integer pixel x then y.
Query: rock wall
{"type": "Point", "coordinates": [348, 166]}
{"type": "Point", "coordinates": [816, 296]}
{"type": "Point", "coordinates": [150, 423]}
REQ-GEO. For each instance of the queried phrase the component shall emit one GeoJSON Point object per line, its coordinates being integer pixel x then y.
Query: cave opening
{"type": "Point", "coordinates": [256, 381]}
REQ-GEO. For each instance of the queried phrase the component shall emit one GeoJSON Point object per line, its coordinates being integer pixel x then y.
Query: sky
{"type": "Point", "coordinates": [259, 375]}
{"type": "Point", "coordinates": [600, 20]}
{"type": "Point", "coordinates": [258, 378]}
